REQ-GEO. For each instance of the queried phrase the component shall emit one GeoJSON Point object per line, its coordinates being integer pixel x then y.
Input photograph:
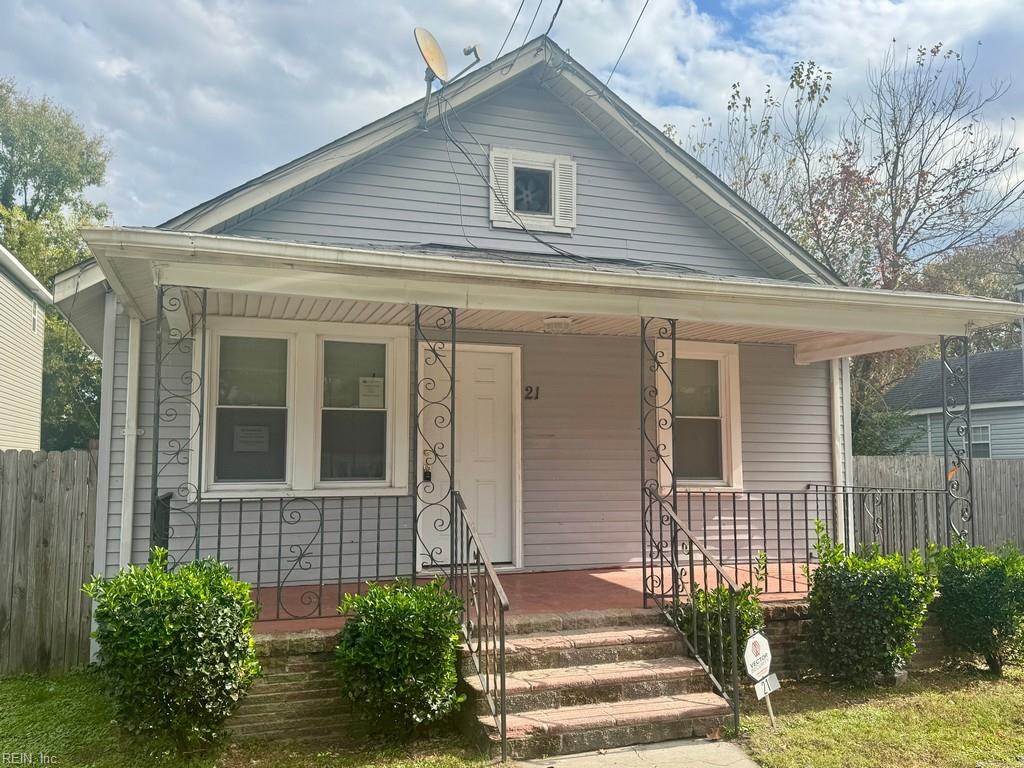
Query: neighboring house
{"type": "Point", "coordinates": [638, 357]}
{"type": "Point", "coordinates": [997, 412]}
{"type": "Point", "coordinates": [23, 303]}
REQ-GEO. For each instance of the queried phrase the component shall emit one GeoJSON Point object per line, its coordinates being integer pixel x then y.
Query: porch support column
{"type": "Point", "coordinates": [956, 436]}
{"type": "Point", "coordinates": [434, 336]}
{"type": "Point", "coordinates": [179, 401]}
{"type": "Point", "coordinates": [658, 487]}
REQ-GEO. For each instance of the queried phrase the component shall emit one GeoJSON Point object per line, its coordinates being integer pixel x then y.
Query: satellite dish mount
{"type": "Point", "coordinates": [437, 65]}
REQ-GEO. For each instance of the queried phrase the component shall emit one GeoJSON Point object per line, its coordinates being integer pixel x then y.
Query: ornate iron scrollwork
{"type": "Point", "coordinates": [956, 434]}
{"type": "Point", "coordinates": [661, 562]}
{"type": "Point", "coordinates": [434, 353]}
{"type": "Point", "coordinates": [179, 398]}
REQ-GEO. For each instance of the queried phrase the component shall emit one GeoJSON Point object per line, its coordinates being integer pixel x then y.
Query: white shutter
{"type": "Point", "coordinates": [501, 187]}
{"type": "Point", "coordinates": [565, 193]}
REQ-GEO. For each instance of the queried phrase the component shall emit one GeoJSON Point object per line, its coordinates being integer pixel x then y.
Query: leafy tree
{"type": "Point", "coordinates": [46, 158]}
{"type": "Point", "coordinates": [903, 188]}
{"type": "Point", "coordinates": [47, 161]}
{"type": "Point", "coordinates": [71, 372]}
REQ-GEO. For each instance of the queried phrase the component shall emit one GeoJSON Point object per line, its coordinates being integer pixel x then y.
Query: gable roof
{"type": "Point", "coordinates": [25, 280]}
{"type": "Point", "coordinates": [664, 160]}
{"type": "Point", "coordinates": [996, 377]}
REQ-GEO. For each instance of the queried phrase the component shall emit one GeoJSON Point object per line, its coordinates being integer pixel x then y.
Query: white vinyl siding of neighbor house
{"type": "Point", "coordinates": [1006, 431]}
{"type": "Point", "coordinates": [408, 194]}
{"type": "Point", "coordinates": [581, 489]}
{"type": "Point", "coordinates": [21, 367]}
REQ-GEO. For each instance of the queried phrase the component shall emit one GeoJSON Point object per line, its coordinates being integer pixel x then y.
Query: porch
{"type": "Point", "coordinates": [528, 592]}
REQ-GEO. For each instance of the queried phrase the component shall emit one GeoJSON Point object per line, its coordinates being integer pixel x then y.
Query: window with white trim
{"type": "Point", "coordinates": [298, 408]}
{"type": "Point", "coordinates": [532, 190]}
{"type": "Point", "coordinates": [707, 443]}
{"type": "Point", "coordinates": [981, 441]}
{"type": "Point", "coordinates": [353, 411]}
{"type": "Point", "coordinates": [251, 425]}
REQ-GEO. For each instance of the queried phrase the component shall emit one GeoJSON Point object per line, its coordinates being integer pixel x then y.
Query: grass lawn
{"type": "Point", "coordinates": [69, 719]}
{"type": "Point", "coordinates": [939, 719]}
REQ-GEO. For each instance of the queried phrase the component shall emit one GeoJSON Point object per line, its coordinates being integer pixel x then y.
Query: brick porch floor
{"type": "Point", "coordinates": [528, 592]}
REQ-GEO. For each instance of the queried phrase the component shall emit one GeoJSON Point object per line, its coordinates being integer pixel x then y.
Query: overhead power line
{"type": "Point", "coordinates": [623, 51]}
{"type": "Point", "coordinates": [557, 9]}
{"type": "Point", "coordinates": [510, 28]}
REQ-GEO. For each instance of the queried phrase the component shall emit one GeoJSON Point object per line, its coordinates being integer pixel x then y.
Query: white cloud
{"type": "Point", "coordinates": [197, 96]}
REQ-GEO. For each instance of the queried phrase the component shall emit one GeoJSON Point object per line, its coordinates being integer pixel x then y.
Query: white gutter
{"type": "Point", "coordinates": [948, 314]}
{"type": "Point", "coordinates": [10, 264]}
{"type": "Point", "coordinates": [130, 432]}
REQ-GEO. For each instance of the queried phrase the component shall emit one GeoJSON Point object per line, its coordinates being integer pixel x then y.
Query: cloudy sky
{"type": "Point", "coordinates": [197, 96]}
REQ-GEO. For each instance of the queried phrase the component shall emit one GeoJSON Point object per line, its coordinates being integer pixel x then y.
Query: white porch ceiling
{"type": "Point", "coordinates": [278, 307]}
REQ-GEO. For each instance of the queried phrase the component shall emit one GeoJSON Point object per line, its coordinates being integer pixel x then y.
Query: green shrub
{"type": "Point", "coordinates": [712, 611]}
{"type": "Point", "coordinates": [981, 608]}
{"type": "Point", "coordinates": [865, 611]}
{"type": "Point", "coordinates": [175, 648]}
{"type": "Point", "coordinates": [396, 655]}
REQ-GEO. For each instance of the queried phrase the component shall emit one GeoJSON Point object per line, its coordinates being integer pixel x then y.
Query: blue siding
{"type": "Point", "coordinates": [408, 194]}
{"type": "Point", "coordinates": [1006, 429]}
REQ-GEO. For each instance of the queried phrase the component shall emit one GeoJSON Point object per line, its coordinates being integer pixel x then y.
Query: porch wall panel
{"type": "Point", "coordinates": [424, 191]}
{"type": "Point", "coordinates": [581, 474]}
{"type": "Point", "coordinates": [365, 532]}
{"type": "Point", "coordinates": [580, 464]}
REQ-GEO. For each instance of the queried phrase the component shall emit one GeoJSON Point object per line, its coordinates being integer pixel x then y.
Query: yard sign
{"type": "Point", "coordinates": [758, 657]}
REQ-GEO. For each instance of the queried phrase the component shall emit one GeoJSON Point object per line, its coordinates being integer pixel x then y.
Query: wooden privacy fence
{"type": "Point", "coordinates": [998, 489]}
{"type": "Point", "coordinates": [47, 528]}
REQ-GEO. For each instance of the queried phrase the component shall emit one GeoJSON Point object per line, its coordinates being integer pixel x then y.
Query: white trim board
{"type": "Point", "coordinates": [974, 407]}
{"type": "Point", "coordinates": [885, 319]}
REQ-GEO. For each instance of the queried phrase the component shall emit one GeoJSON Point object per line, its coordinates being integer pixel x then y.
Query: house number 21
{"type": "Point", "coordinates": [532, 393]}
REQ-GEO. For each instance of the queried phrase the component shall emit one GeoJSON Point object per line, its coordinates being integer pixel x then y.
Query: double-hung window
{"type": "Point", "coordinates": [251, 429]}
{"type": "Point", "coordinates": [354, 413]}
{"type": "Point", "coordinates": [706, 440]}
{"type": "Point", "coordinates": [305, 408]}
{"type": "Point", "coordinates": [981, 441]}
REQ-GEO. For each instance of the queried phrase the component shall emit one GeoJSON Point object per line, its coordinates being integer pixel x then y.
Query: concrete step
{"type": "Point", "coordinates": [576, 647]}
{"type": "Point", "coordinates": [567, 730]}
{"type": "Point", "coordinates": [532, 623]}
{"type": "Point", "coordinates": [595, 683]}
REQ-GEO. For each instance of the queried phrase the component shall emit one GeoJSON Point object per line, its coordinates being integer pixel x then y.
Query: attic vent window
{"type": "Point", "coordinates": [533, 191]}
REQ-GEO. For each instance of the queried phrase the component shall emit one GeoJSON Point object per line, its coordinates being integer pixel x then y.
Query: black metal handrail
{"type": "Point", "coordinates": [692, 600]}
{"type": "Point", "coordinates": [485, 604]}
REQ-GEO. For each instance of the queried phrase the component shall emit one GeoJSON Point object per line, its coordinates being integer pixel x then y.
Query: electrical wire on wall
{"type": "Point", "coordinates": [445, 109]}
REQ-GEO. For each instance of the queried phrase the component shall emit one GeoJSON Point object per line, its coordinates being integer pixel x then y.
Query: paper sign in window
{"type": "Point", "coordinates": [251, 439]}
{"type": "Point", "coordinates": [371, 392]}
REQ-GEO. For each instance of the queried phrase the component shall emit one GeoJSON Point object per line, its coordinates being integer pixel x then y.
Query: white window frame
{"type": "Point", "coordinates": [389, 402]}
{"type": "Point", "coordinates": [972, 441]}
{"type": "Point", "coordinates": [728, 358]}
{"type": "Point", "coordinates": [537, 161]}
{"type": "Point", "coordinates": [305, 395]}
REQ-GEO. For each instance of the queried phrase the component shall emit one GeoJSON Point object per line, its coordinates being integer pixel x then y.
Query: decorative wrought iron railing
{"type": "Point", "coordinates": [897, 520]}
{"type": "Point", "coordinates": [300, 554]}
{"type": "Point", "coordinates": [698, 596]}
{"type": "Point", "coordinates": [769, 538]}
{"type": "Point", "coordinates": [485, 604]}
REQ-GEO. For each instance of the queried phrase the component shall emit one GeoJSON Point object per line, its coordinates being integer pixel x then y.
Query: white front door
{"type": "Point", "coordinates": [485, 445]}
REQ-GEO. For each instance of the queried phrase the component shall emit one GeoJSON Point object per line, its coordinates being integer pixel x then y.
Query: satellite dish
{"type": "Point", "coordinates": [432, 54]}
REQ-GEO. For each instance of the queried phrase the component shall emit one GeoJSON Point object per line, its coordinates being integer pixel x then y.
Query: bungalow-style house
{"type": "Point", "coordinates": [23, 304]}
{"type": "Point", "coordinates": [997, 403]}
{"type": "Point", "coordinates": [527, 342]}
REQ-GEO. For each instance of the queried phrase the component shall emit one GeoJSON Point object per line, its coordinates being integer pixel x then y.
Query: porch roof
{"type": "Point", "coordinates": [498, 290]}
